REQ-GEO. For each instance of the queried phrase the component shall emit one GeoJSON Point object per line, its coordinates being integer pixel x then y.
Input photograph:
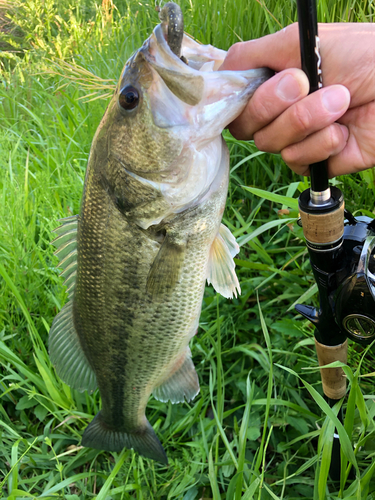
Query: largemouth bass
{"type": "Point", "coordinates": [149, 235]}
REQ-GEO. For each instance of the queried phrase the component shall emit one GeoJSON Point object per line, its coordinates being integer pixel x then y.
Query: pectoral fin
{"type": "Point", "coordinates": [166, 268]}
{"type": "Point", "coordinates": [221, 266]}
{"type": "Point", "coordinates": [230, 240]}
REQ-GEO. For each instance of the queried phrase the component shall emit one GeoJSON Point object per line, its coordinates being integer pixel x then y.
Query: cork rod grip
{"type": "Point", "coordinates": [333, 379]}
{"type": "Point", "coordinates": [323, 227]}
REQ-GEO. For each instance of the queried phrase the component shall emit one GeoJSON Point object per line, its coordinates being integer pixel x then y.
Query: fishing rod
{"type": "Point", "coordinates": [341, 250]}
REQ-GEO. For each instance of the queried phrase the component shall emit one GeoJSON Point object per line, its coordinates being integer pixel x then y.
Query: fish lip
{"type": "Point", "coordinates": [174, 63]}
{"type": "Point", "coordinates": [162, 44]}
{"type": "Point", "coordinates": [184, 82]}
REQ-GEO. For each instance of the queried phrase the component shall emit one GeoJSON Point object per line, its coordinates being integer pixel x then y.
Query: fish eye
{"type": "Point", "coordinates": [128, 98]}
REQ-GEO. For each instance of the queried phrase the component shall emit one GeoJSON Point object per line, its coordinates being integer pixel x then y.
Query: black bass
{"type": "Point", "coordinates": [149, 235]}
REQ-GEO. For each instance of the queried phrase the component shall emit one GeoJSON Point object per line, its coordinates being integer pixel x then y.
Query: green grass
{"type": "Point", "coordinates": [260, 428]}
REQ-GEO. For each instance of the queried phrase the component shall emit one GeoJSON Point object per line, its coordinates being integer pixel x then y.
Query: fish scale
{"type": "Point", "coordinates": [148, 236]}
{"type": "Point", "coordinates": [120, 357]}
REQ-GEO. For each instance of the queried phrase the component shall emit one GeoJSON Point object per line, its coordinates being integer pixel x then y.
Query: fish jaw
{"type": "Point", "coordinates": [202, 57]}
{"type": "Point", "coordinates": [226, 94]}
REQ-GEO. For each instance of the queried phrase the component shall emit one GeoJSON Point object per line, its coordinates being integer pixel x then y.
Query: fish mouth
{"type": "Point", "coordinates": [182, 80]}
{"type": "Point", "coordinates": [194, 76]}
{"type": "Point", "coordinates": [188, 93]}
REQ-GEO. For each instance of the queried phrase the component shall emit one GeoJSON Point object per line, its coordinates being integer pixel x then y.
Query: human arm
{"type": "Point", "coordinates": [336, 122]}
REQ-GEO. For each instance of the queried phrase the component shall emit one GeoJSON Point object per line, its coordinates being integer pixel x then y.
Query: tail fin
{"type": "Point", "coordinates": [144, 441]}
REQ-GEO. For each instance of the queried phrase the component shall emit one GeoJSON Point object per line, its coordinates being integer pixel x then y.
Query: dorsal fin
{"type": "Point", "coordinates": [66, 244]}
{"type": "Point", "coordinates": [65, 348]}
{"type": "Point", "coordinates": [66, 352]}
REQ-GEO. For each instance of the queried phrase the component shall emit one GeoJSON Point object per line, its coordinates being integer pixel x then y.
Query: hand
{"type": "Point", "coordinates": [336, 123]}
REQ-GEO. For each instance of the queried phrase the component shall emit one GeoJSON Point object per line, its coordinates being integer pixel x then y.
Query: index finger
{"type": "Point", "coordinates": [269, 101]}
{"type": "Point", "coordinates": [278, 51]}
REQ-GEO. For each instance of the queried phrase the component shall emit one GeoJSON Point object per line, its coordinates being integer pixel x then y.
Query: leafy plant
{"type": "Point", "coordinates": [260, 428]}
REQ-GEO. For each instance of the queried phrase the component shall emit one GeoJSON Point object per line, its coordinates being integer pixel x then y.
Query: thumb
{"type": "Point", "coordinates": [277, 51]}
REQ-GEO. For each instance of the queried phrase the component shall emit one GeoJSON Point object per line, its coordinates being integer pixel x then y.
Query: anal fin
{"type": "Point", "coordinates": [221, 266]}
{"type": "Point", "coordinates": [67, 354]}
{"type": "Point", "coordinates": [182, 384]}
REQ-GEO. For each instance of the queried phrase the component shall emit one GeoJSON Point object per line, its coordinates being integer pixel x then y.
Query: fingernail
{"type": "Point", "coordinates": [335, 98]}
{"type": "Point", "coordinates": [288, 88]}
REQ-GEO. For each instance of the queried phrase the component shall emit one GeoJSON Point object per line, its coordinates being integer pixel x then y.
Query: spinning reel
{"type": "Point", "coordinates": [355, 296]}
{"type": "Point", "coordinates": [345, 275]}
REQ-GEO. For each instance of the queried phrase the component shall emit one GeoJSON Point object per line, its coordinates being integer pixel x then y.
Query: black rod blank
{"type": "Point", "coordinates": [311, 65]}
